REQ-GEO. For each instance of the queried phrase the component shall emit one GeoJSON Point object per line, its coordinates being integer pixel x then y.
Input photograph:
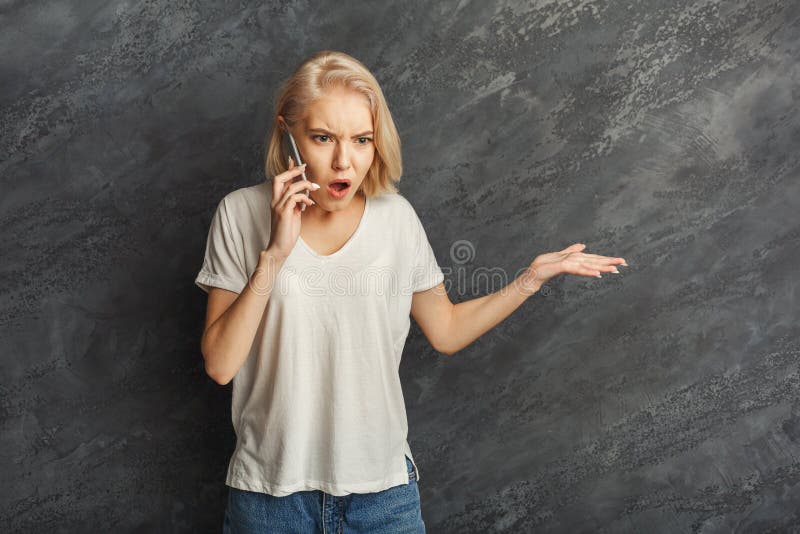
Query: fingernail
{"type": "Point", "coordinates": [615, 271]}
{"type": "Point", "coordinates": [599, 276]}
{"type": "Point", "coordinates": [315, 186]}
{"type": "Point", "coordinates": [303, 165]}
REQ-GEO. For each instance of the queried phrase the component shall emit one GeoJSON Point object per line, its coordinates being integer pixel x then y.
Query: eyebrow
{"type": "Point", "coordinates": [368, 132]}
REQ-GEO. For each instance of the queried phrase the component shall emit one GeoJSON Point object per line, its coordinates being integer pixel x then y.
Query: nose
{"type": "Point", "coordinates": [341, 158]}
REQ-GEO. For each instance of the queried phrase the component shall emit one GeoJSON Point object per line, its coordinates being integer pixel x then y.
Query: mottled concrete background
{"type": "Point", "coordinates": [663, 399]}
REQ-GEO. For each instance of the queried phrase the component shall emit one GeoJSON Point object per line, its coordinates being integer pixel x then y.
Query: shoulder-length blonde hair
{"type": "Point", "coordinates": [322, 71]}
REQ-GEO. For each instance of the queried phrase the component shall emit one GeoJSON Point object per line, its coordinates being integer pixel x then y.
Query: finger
{"type": "Point", "coordinates": [301, 185]}
{"type": "Point", "coordinates": [307, 200]}
{"type": "Point", "coordinates": [582, 270]}
{"type": "Point", "coordinates": [580, 267]}
{"type": "Point", "coordinates": [602, 266]}
{"type": "Point", "coordinates": [284, 200]}
{"type": "Point", "coordinates": [290, 201]}
{"type": "Point", "coordinates": [613, 261]}
{"type": "Point", "coordinates": [602, 261]}
{"type": "Point", "coordinates": [278, 185]}
{"type": "Point", "coordinates": [279, 182]}
{"type": "Point", "coordinates": [298, 187]}
{"type": "Point", "coordinates": [588, 270]}
{"type": "Point", "coordinates": [604, 258]}
{"type": "Point", "coordinates": [291, 172]}
{"type": "Point", "coordinates": [298, 207]}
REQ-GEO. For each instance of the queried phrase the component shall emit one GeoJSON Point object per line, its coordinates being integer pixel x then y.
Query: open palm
{"type": "Point", "coordinates": [571, 260]}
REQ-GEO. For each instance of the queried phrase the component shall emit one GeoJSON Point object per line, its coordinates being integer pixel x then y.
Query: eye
{"type": "Point", "coordinates": [324, 138]}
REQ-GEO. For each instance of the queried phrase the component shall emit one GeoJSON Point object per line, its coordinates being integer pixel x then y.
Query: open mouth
{"type": "Point", "coordinates": [338, 189]}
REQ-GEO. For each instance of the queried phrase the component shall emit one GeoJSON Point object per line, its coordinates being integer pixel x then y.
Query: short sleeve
{"type": "Point", "coordinates": [427, 272]}
{"type": "Point", "coordinates": [222, 265]}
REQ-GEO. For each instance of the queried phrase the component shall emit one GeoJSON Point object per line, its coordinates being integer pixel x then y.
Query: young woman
{"type": "Point", "coordinates": [308, 314]}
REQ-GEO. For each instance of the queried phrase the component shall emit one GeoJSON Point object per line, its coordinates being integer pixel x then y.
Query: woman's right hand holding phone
{"type": "Point", "coordinates": [286, 207]}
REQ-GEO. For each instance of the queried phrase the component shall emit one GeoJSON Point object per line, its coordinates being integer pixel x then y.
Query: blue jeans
{"type": "Point", "coordinates": [395, 510]}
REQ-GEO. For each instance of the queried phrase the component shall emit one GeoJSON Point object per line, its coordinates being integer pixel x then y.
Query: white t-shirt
{"type": "Point", "coordinates": [318, 403]}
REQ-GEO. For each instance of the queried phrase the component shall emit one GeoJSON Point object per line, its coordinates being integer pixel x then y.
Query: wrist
{"type": "Point", "coordinates": [528, 282]}
{"type": "Point", "coordinates": [263, 277]}
{"type": "Point", "coordinates": [269, 263]}
{"type": "Point", "coordinates": [269, 256]}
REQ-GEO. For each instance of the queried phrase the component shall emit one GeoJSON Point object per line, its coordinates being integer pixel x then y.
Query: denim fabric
{"type": "Point", "coordinates": [395, 510]}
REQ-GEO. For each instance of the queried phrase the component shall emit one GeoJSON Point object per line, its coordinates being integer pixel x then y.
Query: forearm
{"type": "Point", "coordinates": [471, 319]}
{"type": "Point", "coordinates": [227, 342]}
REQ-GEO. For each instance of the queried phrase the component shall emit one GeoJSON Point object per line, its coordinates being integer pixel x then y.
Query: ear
{"type": "Point", "coordinates": [282, 123]}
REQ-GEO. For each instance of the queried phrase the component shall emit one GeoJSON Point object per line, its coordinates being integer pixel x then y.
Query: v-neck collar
{"type": "Point", "coordinates": [347, 244]}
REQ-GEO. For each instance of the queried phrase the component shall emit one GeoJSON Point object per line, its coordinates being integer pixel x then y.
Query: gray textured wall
{"type": "Point", "coordinates": [664, 399]}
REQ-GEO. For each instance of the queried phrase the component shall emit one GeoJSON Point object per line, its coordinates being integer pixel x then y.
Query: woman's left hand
{"type": "Point", "coordinates": [570, 261]}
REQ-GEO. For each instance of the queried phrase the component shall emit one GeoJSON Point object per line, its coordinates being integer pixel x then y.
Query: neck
{"type": "Point", "coordinates": [316, 214]}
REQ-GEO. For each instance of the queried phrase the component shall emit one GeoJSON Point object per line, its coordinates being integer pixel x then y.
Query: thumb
{"type": "Point", "coordinates": [574, 248]}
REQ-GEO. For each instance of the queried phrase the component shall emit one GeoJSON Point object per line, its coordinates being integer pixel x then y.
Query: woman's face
{"type": "Point", "coordinates": [336, 141]}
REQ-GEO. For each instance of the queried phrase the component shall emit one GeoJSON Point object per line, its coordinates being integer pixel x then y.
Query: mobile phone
{"type": "Point", "coordinates": [291, 147]}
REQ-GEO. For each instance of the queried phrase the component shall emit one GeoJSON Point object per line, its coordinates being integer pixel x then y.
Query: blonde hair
{"type": "Point", "coordinates": [320, 72]}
